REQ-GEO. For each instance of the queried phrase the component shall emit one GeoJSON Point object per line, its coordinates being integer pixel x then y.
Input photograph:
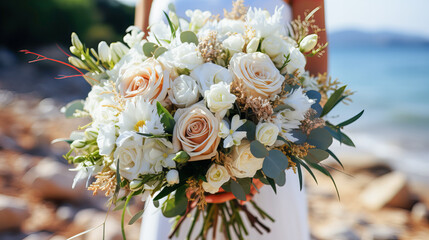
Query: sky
{"type": "Point", "coordinates": [401, 16]}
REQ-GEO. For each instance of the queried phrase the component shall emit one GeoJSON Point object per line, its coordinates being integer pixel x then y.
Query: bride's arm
{"type": "Point", "coordinates": [142, 14]}
{"type": "Point", "coordinates": [315, 64]}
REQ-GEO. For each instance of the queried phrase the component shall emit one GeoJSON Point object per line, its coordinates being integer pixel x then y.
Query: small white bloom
{"type": "Point", "coordinates": [208, 74]}
{"type": "Point", "coordinates": [134, 36]}
{"type": "Point", "coordinates": [118, 51]}
{"type": "Point", "coordinates": [104, 52]}
{"type": "Point", "coordinates": [309, 82]}
{"type": "Point", "coordinates": [244, 163]}
{"type": "Point", "coordinates": [264, 24]}
{"type": "Point", "coordinates": [216, 176]}
{"type": "Point", "coordinates": [234, 43]}
{"type": "Point", "coordinates": [219, 98]}
{"type": "Point", "coordinates": [184, 91]}
{"type": "Point", "coordinates": [140, 115]}
{"type": "Point", "coordinates": [76, 41]}
{"type": "Point", "coordinates": [296, 62]}
{"type": "Point", "coordinates": [158, 154]}
{"type": "Point", "coordinates": [186, 56]}
{"type": "Point", "coordinates": [106, 139]}
{"type": "Point", "coordinates": [275, 45]}
{"type": "Point", "coordinates": [172, 177]}
{"type": "Point", "coordinates": [232, 136]}
{"type": "Point", "coordinates": [198, 18]}
{"type": "Point", "coordinates": [267, 133]}
{"type": "Point", "coordinates": [252, 46]}
{"type": "Point", "coordinates": [77, 63]}
{"type": "Point", "coordinates": [308, 43]}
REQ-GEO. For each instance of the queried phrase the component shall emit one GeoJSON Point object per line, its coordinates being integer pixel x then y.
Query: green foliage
{"type": "Point", "coordinates": [351, 120]}
{"type": "Point", "coordinates": [71, 108]}
{"type": "Point", "coordinates": [250, 128]}
{"type": "Point", "coordinates": [333, 100]}
{"type": "Point", "coordinates": [258, 149]}
{"type": "Point", "coordinates": [237, 190]}
{"type": "Point", "coordinates": [316, 155]}
{"type": "Point", "coordinates": [275, 163]}
{"type": "Point", "coordinates": [320, 138]}
{"type": "Point", "coordinates": [189, 37]}
{"type": "Point", "coordinates": [166, 119]}
{"type": "Point", "coordinates": [176, 205]}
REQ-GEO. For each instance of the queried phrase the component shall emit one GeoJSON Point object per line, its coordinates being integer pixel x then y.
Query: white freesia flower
{"type": "Point", "coordinates": [296, 62]}
{"type": "Point", "coordinates": [106, 139]}
{"type": "Point", "coordinates": [275, 45]}
{"type": "Point", "coordinates": [208, 74]}
{"type": "Point", "coordinates": [267, 133]}
{"type": "Point", "coordinates": [198, 18]}
{"type": "Point", "coordinates": [234, 43]}
{"type": "Point", "coordinates": [252, 46]}
{"type": "Point", "coordinates": [230, 135]}
{"type": "Point", "coordinates": [216, 176]}
{"type": "Point", "coordinates": [308, 43]}
{"type": "Point", "coordinates": [244, 163]}
{"type": "Point", "coordinates": [183, 91]}
{"type": "Point", "coordinates": [118, 50]}
{"type": "Point", "coordinates": [129, 153]}
{"type": "Point", "coordinates": [257, 73]}
{"type": "Point", "coordinates": [104, 52]}
{"type": "Point", "coordinates": [158, 154]}
{"type": "Point", "coordinates": [264, 24]}
{"type": "Point", "coordinates": [134, 36]}
{"type": "Point", "coordinates": [289, 119]}
{"type": "Point", "coordinates": [183, 57]}
{"type": "Point", "coordinates": [140, 115]}
{"type": "Point", "coordinates": [219, 98]}
{"type": "Point", "coordinates": [172, 177]}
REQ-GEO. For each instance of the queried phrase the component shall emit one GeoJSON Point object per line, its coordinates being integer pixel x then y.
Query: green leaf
{"type": "Point", "coordinates": [149, 49]}
{"type": "Point", "coordinates": [176, 205]}
{"type": "Point", "coordinates": [135, 217]}
{"type": "Point", "coordinates": [333, 100]}
{"type": "Point", "coordinates": [166, 119]}
{"type": "Point", "coordinates": [156, 203]}
{"type": "Point", "coordinates": [165, 191]}
{"type": "Point", "coordinates": [250, 128]}
{"type": "Point", "coordinates": [302, 163]}
{"type": "Point", "coordinates": [274, 163]}
{"type": "Point", "coordinates": [119, 206]}
{"type": "Point", "coordinates": [172, 28]}
{"type": "Point", "coordinates": [69, 141]}
{"type": "Point", "coordinates": [351, 120]}
{"type": "Point", "coordinates": [238, 191]}
{"type": "Point", "coordinates": [320, 138]}
{"type": "Point", "coordinates": [281, 179]}
{"type": "Point", "coordinates": [346, 140]}
{"type": "Point", "coordinates": [189, 37]}
{"type": "Point", "coordinates": [272, 184]}
{"type": "Point", "coordinates": [245, 183]}
{"type": "Point", "coordinates": [316, 155]}
{"type": "Point", "coordinates": [325, 172]}
{"type": "Point", "coordinates": [298, 134]}
{"type": "Point", "coordinates": [159, 51]}
{"type": "Point", "coordinates": [298, 167]}
{"type": "Point", "coordinates": [335, 157]}
{"type": "Point", "coordinates": [339, 135]}
{"type": "Point", "coordinates": [258, 150]}
{"type": "Point", "coordinates": [71, 108]}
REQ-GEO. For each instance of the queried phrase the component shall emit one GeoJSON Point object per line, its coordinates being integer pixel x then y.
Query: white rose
{"type": "Point", "coordinates": [216, 176]}
{"type": "Point", "coordinates": [267, 133]}
{"type": "Point", "coordinates": [208, 74]}
{"type": "Point", "coordinates": [198, 18]}
{"type": "Point", "coordinates": [219, 99]}
{"type": "Point", "coordinates": [172, 177]}
{"type": "Point", "coordinates": [244, 163]}
{"type": "Point", "coordinates": [234, 43]}
{"type": "Point", "coordinates": [98, 105]}
{"type": "Point", "coordinates": [106, 139]}
{"type": "Point", "coordinates": [185, 56]}
{"type": "Point", "coordinates": [296, 62]}
{"type": "Point", "coordinates": [129, 153]}
{"type": "Point", "coordinates": [183, 91]}
{"type": "Point", "coordinates": [257, 73]}
{"type": "Point", "coordinates": [275, 45]}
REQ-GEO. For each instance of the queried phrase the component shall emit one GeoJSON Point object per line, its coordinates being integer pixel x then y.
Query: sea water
{"type": "Point", "coordinates": [392, 85]}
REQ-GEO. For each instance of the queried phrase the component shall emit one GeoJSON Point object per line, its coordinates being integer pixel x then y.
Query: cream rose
{"type": "Point", "coordinates": [244, 163]}
{"type": "Point", "coordinates": [257, 73]}
{"type": "Point", "coordinates": [219, 99]}
{"type": "Point", "coordinates": [267, 133]}
{"type": "Point", "coordinates": [216, 176]}
{"type": "Point", "coordinates": [196, 132]}
{"type": "Point", "coordinates": [147, 79]}
{"type": "Point", "coordinates": [208, 74]}
{"type": "Point", "coordinates": [183, 91]}
{"type": "Point", "coordinates": [234, 43]}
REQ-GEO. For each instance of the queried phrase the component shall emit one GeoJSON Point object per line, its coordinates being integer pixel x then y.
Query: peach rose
{"type": "Point", "coordinates": [147, 79]}
{"type": "Point", "coordinates": [196, 132]}
{"type": "Point", "coordinates": [258, 74]}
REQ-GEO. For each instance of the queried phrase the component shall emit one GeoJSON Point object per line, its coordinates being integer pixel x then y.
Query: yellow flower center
{"type": "Point", "coordinates": [165, 155]}
{"type": "Point", "coordinates": [231, 131]}
{"type": "Point", "coordinates": [138, 125]}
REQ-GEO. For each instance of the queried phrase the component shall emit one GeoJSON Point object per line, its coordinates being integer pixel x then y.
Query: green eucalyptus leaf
{"type": "Point", "coordinates": [71, 108]}
{"type": "Point", "coordinates": [227, 186]}
{"type": "Point", "coordinates": [189, 37]}
{"type": "Point", "coordinates": [320, 137]}
{"type": "Point", "coordinates": [274, 163]}
{"type": "Point", "coordinates": [135, 217]}
{"type": "Point", "coordinates": [315, 95]}
{"type": "Point", "coordinates": [298, 134]}
{"type": "Point", "coordinates": [159, 51]}
{"type": "Point", "coordinates": [250, 128]}
{"type": "Point", "coordinates": [316, 155]}
{"type": "Point", "coordinates": [258, 149]}
{"type": "Point", "coordinates": [156, 204]}
{"type": "Point", "coordinates": [281, 179]}
{"type": "Point", "coordinates": [149, 49]}
{"type": "Point", "coordinates": [245, 183]}
{"type": "Point", "coordinates": [238, 191]}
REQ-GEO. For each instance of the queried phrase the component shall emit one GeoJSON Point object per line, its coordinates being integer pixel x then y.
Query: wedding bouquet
{"type": "Point", "coordinates": [201, 113]}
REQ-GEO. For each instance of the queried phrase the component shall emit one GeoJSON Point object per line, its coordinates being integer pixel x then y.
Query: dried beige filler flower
{"type": "Point", "coordinates": [106, 181]}
{"type": "Point", "coordinates": [209, 47]}
{"type": "Point", "coordinates": [238, 12]}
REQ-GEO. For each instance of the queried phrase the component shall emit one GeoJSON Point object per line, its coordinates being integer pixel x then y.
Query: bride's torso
{"type": "Point", "coordinates": [214, 6]}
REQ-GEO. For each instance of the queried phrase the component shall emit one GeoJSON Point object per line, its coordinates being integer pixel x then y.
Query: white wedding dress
{"type": "Point", "coordinates": [288, 207]}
